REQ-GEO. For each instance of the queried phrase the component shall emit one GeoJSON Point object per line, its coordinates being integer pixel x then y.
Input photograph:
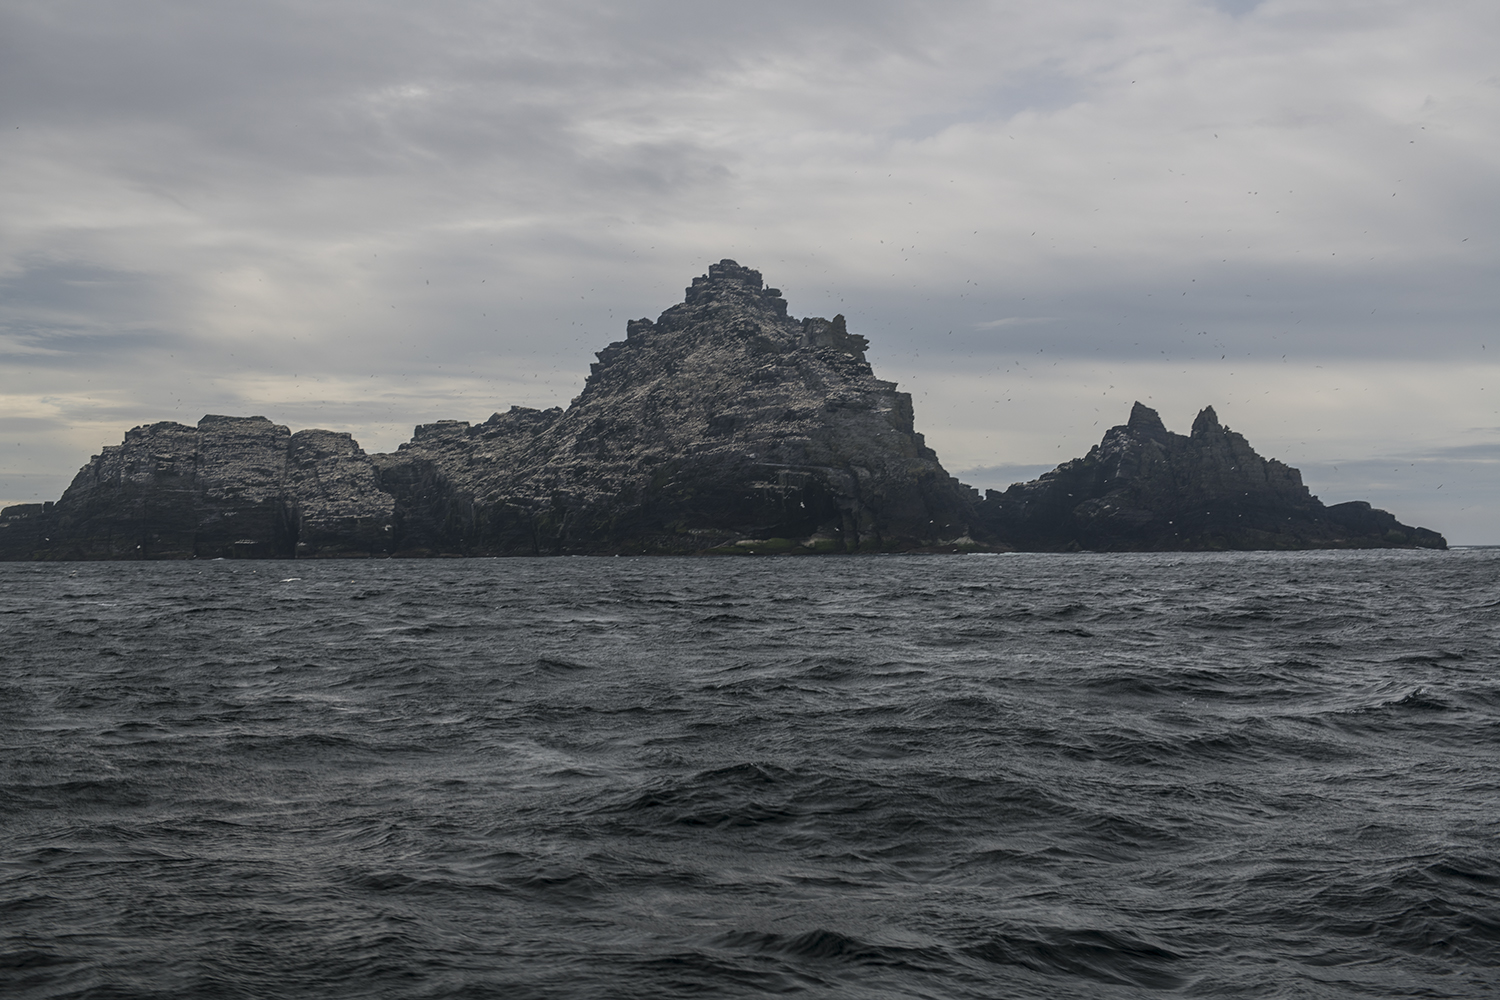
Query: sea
{"type": "Point", "coordinates": [986, 776]}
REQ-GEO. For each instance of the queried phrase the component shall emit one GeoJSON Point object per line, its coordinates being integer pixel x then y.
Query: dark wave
{"type": "Point", "coordinates": [1250, 775]}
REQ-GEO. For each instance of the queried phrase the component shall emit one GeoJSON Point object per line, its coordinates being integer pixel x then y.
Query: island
{"type": "Point", "coordinates": [725, 426]}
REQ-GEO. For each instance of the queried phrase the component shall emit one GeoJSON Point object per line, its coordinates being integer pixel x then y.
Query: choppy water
{"type": "Point", "coordinates": [1268, 775]}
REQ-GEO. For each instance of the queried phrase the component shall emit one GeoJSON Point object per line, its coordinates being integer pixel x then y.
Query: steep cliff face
{"type": "Point", "coordinates": [1145, 488]}
{"type": "Point", "coordinates": [332, 497]}
{"type": "Point", "coordinates": [447, 475]}
{"type": "Point", "coordinates": [725, 422]}
{"type": "Point", "coordinates": [232, 486]}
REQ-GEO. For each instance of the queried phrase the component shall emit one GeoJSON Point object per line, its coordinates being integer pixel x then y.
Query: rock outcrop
{"type": "Point", "coordinates": [1146, 488]}
{"type": "Point", "coordinates": [723, 423]}
{"type": "Point", "coordinates": [232, 487]}
{"type": "Point", "coordinates": [723, 426]}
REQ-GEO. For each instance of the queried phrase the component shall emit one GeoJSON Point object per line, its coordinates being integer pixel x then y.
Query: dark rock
{"type": "Point", "coordinates": [24, 529]}
{"type": "Point", "coordinates": [332, 496]}
{"type": "Point", "coordinates": [239, 487]}
{"type": "Point", "coordinates": [724, 424]}
{"type": "Point", "coordinates": [444, 481]}
{"type": "Point", "coordinates": [1145, 488]}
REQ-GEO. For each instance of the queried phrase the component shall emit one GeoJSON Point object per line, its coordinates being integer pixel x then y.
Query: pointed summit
{"type": "Point", "coordinates": [1145, 488]}
{"type": "Point", "coordinates": [1207, 422]}
{"type": "Point", "coordinates": [726, 276]}
{"type": "Point", "coordinates": [731, 285]}
{"type": "Point", "coordinates": [723, 425]}
{"type": "Point", "coordinates": [1144, 420]}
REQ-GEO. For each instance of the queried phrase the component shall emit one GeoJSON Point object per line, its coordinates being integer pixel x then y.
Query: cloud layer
{"type": "Point", "coordinates": [363, 216]}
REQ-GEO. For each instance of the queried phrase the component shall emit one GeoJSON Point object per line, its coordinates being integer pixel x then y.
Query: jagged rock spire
{"type": "Point", "coordinates": [1206, 423]}
{"type": "Point", "coordinates": [1144, 487]}
{"type": "Point", "coordinates": [1144, 420]}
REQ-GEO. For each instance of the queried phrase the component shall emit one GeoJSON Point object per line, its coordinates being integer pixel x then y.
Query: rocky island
{"type": "Point", "coordinates": [725, 426]}
{"type": "Point", "coordinates": [1144, 488]}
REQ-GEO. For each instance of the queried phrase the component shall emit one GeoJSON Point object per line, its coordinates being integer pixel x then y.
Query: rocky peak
{"type": "Point", "coordinates": [1145, 422]}
{"type": "Point", "coordinates": [726, 276]}
{"type": "Point", "coordinates": [833, 333]}
{"type": "Point", "coordinates": [440, 430]}
{"type": "Point", "coordinates": [724, 419]}
{"type": "Point", "coordinates": [519, 419]}
{"type": "Point", "coordinates": [727, 318]}
{"type": "Point", "coordinates": [729, 284]}
{"type": "Point", "coordinates": [1144, 487]}
{"type": "Point", "coordinates": [1207, 423]}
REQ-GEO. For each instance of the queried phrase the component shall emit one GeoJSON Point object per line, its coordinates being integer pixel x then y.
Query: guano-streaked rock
{"type": "Point", "coordinates": [230, 487]}
{"type": "Point", "coordinates": [723, 426]}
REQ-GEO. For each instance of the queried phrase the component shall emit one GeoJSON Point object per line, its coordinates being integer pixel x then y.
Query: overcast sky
{"type": "Point", "coordinates": [364, 216]}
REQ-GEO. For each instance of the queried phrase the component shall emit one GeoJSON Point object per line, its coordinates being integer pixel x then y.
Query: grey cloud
{"type": "Point", "coordinates": [24, 425]}
{"type": "Point", "coordinates": [1238, 8]}
{"type": "Point", "coordinates": [204, 201]}
{"type": "Point", "coordinates": [21, 487]}
{"type": "Point", "coordinates": [1006, 321]}
{"type": "Point", "coordinates": [1255, 312]}
{"type": "Point", "coordinates": [76, 287]}
{"type": "Point", "coordinates": [73, 314]}
{"type": "Point", "coordinates": [1038, 89]}
{"type": "Point", "coordinates": [1485, 451]}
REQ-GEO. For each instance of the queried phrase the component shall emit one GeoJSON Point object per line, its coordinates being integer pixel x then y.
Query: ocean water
{"type": "Point", "coordinates": [1215, 775]}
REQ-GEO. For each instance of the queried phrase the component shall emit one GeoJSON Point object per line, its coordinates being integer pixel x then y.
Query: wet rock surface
{"type": "Point", "coordinates": [1145, 488]}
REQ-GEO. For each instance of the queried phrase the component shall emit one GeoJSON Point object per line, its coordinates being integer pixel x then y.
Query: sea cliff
{"type": "Point", "coordinates": [724, 426]}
